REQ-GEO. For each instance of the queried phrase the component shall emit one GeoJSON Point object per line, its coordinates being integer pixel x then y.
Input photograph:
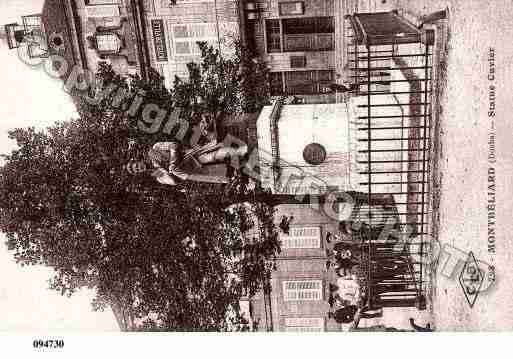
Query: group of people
{"type": "Point", "coordinates": [349, 296]}
{"type": "Point", "coordinates": [366, 267]}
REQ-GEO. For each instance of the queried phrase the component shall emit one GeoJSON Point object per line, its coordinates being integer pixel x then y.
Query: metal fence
{"type": "Point", "coordinates": [390, 64]}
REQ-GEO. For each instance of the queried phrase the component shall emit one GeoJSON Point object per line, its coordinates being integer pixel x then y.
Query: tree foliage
{"type": "Point", "coordinates": [164, 257]}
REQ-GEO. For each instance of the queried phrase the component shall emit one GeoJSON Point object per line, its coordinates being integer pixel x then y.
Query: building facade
{"type": "Point", "coordinates": [298, 299]}
{"type": "Point", "coordinates": [303, 43]}
{"type": "Point", "coordinates": [131, 35]}
{"type": "Point", "coordinates": [297, 39]}
{"type": "Point", "coordinates": [85, 32]}
{"type": "Point", "coordinates": [172, 30]}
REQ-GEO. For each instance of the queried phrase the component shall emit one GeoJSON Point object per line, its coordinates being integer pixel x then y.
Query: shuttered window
{"type": "Point", "coordinates": [302, 290]}
{"type": "Point", "coordinates": [32, 21]}
{"type": "Point", "coordinates": [186, 38]}
{"type": "Point", "coordinates": [301, 237]}
{"type": "Point", "coordinates": [180, 31]}
{"type": "Point", "coordinates": [107, 42]}
{"type": "Point", "coordinates": [304, 324]}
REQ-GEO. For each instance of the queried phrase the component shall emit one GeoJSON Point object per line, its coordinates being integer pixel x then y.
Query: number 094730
{"type": "Point", "coordinates": [48, 343]}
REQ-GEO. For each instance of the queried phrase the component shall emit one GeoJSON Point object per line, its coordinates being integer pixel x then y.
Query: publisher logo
{"type": "Point", "coordinates": [471, 279]}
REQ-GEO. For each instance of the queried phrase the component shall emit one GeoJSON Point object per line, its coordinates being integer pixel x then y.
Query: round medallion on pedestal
{"type": "Point", "coordinates": [314, 154]}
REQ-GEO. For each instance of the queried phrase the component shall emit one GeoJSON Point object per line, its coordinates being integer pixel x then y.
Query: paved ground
{"type": "Point", "coordinates": [464, 127]}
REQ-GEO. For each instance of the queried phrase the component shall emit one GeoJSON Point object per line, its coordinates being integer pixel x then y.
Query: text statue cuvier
{"type": "Point", "coordinates": [159, 39]}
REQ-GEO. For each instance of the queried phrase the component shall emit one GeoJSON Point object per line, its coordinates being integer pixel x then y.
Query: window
{"type": "Point", "coordinates": [276, 83]}
{"type": "Point", "coordinates": [103, 10]}
{"type": "Point", "coordinates": [324, 76]}
{"type": "Point", "coordinates": [183, 48]}
{"type": "Point", "coordinates": [302, 290]}
{"type": "Point", "coordinates": [297, 61]}
{"type": "Point", "coordinates": [309, 25]}
{"type": "Point", "coordinates": [300, 34]}
{"type": "Point", "coordinates": [304, 324]}
{"type": "Point", "coordinates": [186, 37]}
{"type": "Point", "coordinates": [180, 31]}
{"type": "Point", "coordinates": [292, 8]}
{"type": "Point", "coordinates": [107, 42]}
{"type": "Point", "coordinates": [307, 82]}
{"type": "Point", "coordinates": [32, 21]}
{"type": "Point", "coordinates": [301, 82]}
{"type": "Point", "coordinates": [301, 237]}
{"type": "Point", "coordinates": [273, 35]}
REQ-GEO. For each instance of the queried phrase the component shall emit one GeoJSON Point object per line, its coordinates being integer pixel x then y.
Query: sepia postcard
{"type": "Point", "coordinates": [255, 166]}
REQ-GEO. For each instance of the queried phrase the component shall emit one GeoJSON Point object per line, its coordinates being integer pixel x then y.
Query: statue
{"type": "Point", "coordinates": [171, 162]}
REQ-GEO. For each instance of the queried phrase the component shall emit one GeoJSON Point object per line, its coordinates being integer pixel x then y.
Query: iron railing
{"type": "Point", "coordinates": [275, 143]}
{"type": "Point", "coordinates": [390, 66]}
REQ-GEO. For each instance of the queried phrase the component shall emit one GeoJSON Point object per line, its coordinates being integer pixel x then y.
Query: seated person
{"type": "Point", "coordinates": [173, 162]}
{"type": "Point", "coordinates": [169, 164]}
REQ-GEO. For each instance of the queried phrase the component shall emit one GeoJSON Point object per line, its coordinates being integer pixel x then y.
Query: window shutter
{"type": "Point", "coordinates": [302, 290]}
{"type": "Point", "coordinates": [304, 324]}
{"type": "Point", "coordinates": [186, 37]}
{"type": "Point", "coordinates": [302, 237]}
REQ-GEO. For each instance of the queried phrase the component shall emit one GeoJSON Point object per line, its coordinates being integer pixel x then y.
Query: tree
{"type": "Point", "coordinates": [221, 86]}
{"type": "Point", "coordinates": [164, 257]}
